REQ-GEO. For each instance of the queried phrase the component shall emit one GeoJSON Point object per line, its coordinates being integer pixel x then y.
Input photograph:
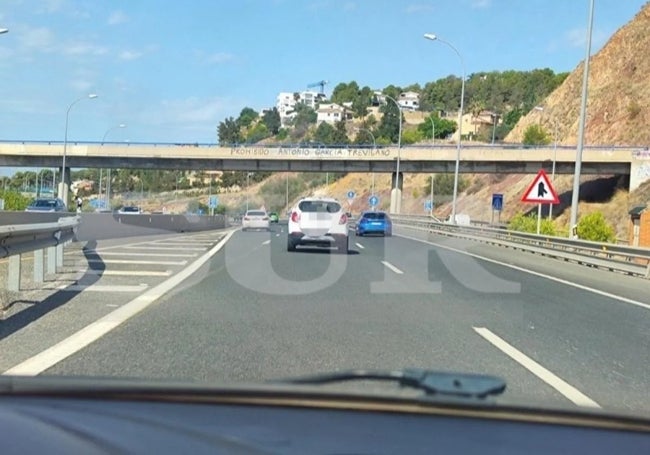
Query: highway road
{"type": "Point", "coordinates": [560, 334]}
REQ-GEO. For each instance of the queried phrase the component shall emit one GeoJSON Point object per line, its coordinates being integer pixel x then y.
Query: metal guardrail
{"type": "Point", "coordinates": [620, 258]}
{"type": "Point", "coordinates": [22, 238]}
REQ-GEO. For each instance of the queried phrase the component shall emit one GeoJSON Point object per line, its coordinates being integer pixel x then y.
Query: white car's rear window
{"type": "Point", "coordinates": [256, 213]}
{"type": "Point", "coordinates": [319, 206]}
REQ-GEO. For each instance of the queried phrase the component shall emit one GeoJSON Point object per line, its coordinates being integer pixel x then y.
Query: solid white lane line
{"type": "Point", "coordinates": [392, 267]}
{"type": "Point", "coordinates": [79, 340]}
{"type": "Point", "coordinates": [164, 255]}
{"type": "Point", "coordinates": [532, 272]}
{"type": "Point", "coordinates": [360, 245]}
{"type": "Point", "coordinates": [266, 242]}
{"type": "Point", "coordinates": [102, 288]}
{"type": "Point", "coordinates": [129, 261]}
{"type": "Point", "coordinates": [127, 272]}
{"type": "Point", "coordinates": [542, 373]}
{"type": "Point", "coordinates": [160, 248]}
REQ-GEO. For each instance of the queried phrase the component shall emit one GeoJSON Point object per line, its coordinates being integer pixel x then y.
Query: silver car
{"type": "Point", "coordinates": [255, 219]}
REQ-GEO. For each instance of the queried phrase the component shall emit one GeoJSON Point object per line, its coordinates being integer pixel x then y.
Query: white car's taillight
{"type": "Point", "coordinates": [246, 218]}
{"type": "Point", "coordinates": [295, 217]}
{"type": "Point", "coordinates": [343, 219]}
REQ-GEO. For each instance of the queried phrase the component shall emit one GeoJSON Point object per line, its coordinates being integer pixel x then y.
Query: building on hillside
{"type": "Point", "coordinates": [286, 102]}
{"type": "Point", "coordinates": [332, 113]}
{"type": "Point", "coordinates": [409, 101]}
{"type": "Point", "coordinates": [472, 124]}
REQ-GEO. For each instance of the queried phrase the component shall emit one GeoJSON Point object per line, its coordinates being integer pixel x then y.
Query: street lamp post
{"type": "Point", "coordinates": [396, 197]}
{"type": "Point", "coordinates": [431, 36]}
{"type": "Point", "coordinates": [63, 186]}
{"type": "Point", "coordinates": [555, 139]}
{"type": "Point", "coordinates": [495, 117]}
{"type": "Point", "coordinates": [575, 195]}
{"type": "Point", "coordinates": [108, 172]}
{"type": "Point", "coordinates": [248, 174]}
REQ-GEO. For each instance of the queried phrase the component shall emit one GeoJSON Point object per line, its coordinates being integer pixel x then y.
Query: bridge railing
{"type": "Point", "coordinates": [619, 258]}
{"type": "Point", "coordinates": [17, 239]}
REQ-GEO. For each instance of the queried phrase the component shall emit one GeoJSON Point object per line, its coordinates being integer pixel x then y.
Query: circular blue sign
{"type": "Point", "coordinates": [351, 194]}
{"type": "Point", "coordinates": [373, 201]}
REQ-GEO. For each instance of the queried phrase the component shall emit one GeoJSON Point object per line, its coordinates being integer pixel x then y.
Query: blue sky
{"type": "Point", "coordinates": [173, 70]}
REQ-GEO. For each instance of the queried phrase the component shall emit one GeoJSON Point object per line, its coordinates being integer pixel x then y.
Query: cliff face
{"type": "Point", "coordinates": [618, 106]}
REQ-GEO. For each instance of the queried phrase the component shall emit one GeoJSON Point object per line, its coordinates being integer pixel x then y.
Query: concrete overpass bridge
{"type": "Point", "coordinates": [503, 159]}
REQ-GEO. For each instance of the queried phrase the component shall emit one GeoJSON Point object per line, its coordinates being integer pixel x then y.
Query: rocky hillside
{"type": "Point", "coordinates": [618, 106]}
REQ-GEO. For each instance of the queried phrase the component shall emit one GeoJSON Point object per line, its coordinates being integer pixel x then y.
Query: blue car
{"type": "Point", "coordinates": [374, 223]}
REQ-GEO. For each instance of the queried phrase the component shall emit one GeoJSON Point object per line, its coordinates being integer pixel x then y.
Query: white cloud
{"type": "Point", "coordinates": [117, 17]}
{"type": "Point", "coordinates": [219, 57]}
{"type": "Point", "coordinates": [130, 55]}
{"type": "Point", "coordinates": [53, 6]}
{"type": "Point", "coordinates": [83, 48]}
{"type": "Point", "coordinates": [420, 8]}
{"type": "Point", "coordinates": [349, 6]}
{"type": "Point", "coordinates": [478, 4]}
{"type": "Point", "coordinates": [37, 38]}
{"type": "Point", "coordinates": [81, 85]}
{"type": "Point", "coordinates": [201, 112]}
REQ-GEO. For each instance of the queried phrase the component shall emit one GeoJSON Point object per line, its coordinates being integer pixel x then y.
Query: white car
{"type": "Point", "coordinates": [318, 222]}
{"type": "Point", "coordinates": [255, 219]}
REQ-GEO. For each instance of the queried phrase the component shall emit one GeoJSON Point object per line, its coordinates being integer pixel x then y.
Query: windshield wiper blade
{"type": "Point", "coordinates": [430, 382]}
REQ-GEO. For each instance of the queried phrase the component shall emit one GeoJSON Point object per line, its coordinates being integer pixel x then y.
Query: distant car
{"type": "Point", "coordinates": [130, 210]}
{"type": "Point", "coordinates": [273, 217]}
{"type": "Point", "coordinates": [255, 219]}
{"type": "Point", "coordinates": [374, 223]}
{"type": "Point", "coordinates": [318, 222]}
{"type": "Point", "coordinates": [47, 205]}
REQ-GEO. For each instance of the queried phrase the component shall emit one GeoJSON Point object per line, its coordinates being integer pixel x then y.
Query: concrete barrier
{"type": "Point", "coordinates": [98, 226]}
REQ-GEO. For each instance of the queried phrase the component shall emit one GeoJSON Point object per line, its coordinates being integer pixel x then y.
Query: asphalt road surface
{"type": "Point", "coordinates": [560, 334]}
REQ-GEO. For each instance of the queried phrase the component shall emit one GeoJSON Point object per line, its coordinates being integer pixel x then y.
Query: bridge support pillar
{"type": "Point", "coordinates": [396, 193]}
{"type": "Point", "coordinates": [64, 185]}
{"type": "Point", "coordinates": [639, 173]}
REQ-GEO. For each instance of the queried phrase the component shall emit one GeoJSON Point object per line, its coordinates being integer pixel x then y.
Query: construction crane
{"type": "Point", "coordinates": [320, 84]}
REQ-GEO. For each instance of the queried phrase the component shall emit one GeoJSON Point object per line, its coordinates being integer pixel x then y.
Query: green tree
{"type": "Point", "coordinates": [443, 127]}
{"type": "Point", "coordinates": [412, 136]}
{"type": "Point", "coordinates": [229, 132]}
{"type": "Point", "coordinates": [594, 227]}
{"type": "Point", "coordinates": [271, 119]}
{"type": "Point", "coordinates": [389, 124]}
{"type": "Point", "coordinates": [340, 135]}
{"type": "Point", "coordinates": [344, 93]}
{"type": "Point", "coordinates": [536, 135]}
{"type": "Point", "coordinates": [220, 209]}
{"type": "Point", "coordinates": [324, 133]}
{"type": "Point", "coordinates": [14, 200]}
{"type": "Point", "coordinates": [247, 116]}
{"type": "Point", "coordinates": [257, 133]}
{"type": "Point", "coordinates": [361, 103]}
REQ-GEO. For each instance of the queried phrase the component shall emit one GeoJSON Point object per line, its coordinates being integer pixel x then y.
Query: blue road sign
{"type": "Point", "coordinates": [213, 202]}
{"type": "Point", "coordinates": [373, 201]}
{"type": "Point", "coordinates": [497, 202]}
{"type": "Point", "coordinates": [428, 205]}
{"type": "Point", "coordinates": [351, 194]}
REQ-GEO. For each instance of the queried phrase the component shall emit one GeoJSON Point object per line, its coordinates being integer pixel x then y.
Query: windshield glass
{"type": "Point", "coordinates": [44, 203]}
{"type": "Point", "coordinates": [374, 216]}
{"type": "Point", "coordinates": [319, 206]}
{"type": "Point", "coordinates": [448, 198]}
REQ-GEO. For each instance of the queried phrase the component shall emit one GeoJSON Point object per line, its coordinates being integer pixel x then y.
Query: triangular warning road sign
{"type": "Point", "coordinates": [541, 191]}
